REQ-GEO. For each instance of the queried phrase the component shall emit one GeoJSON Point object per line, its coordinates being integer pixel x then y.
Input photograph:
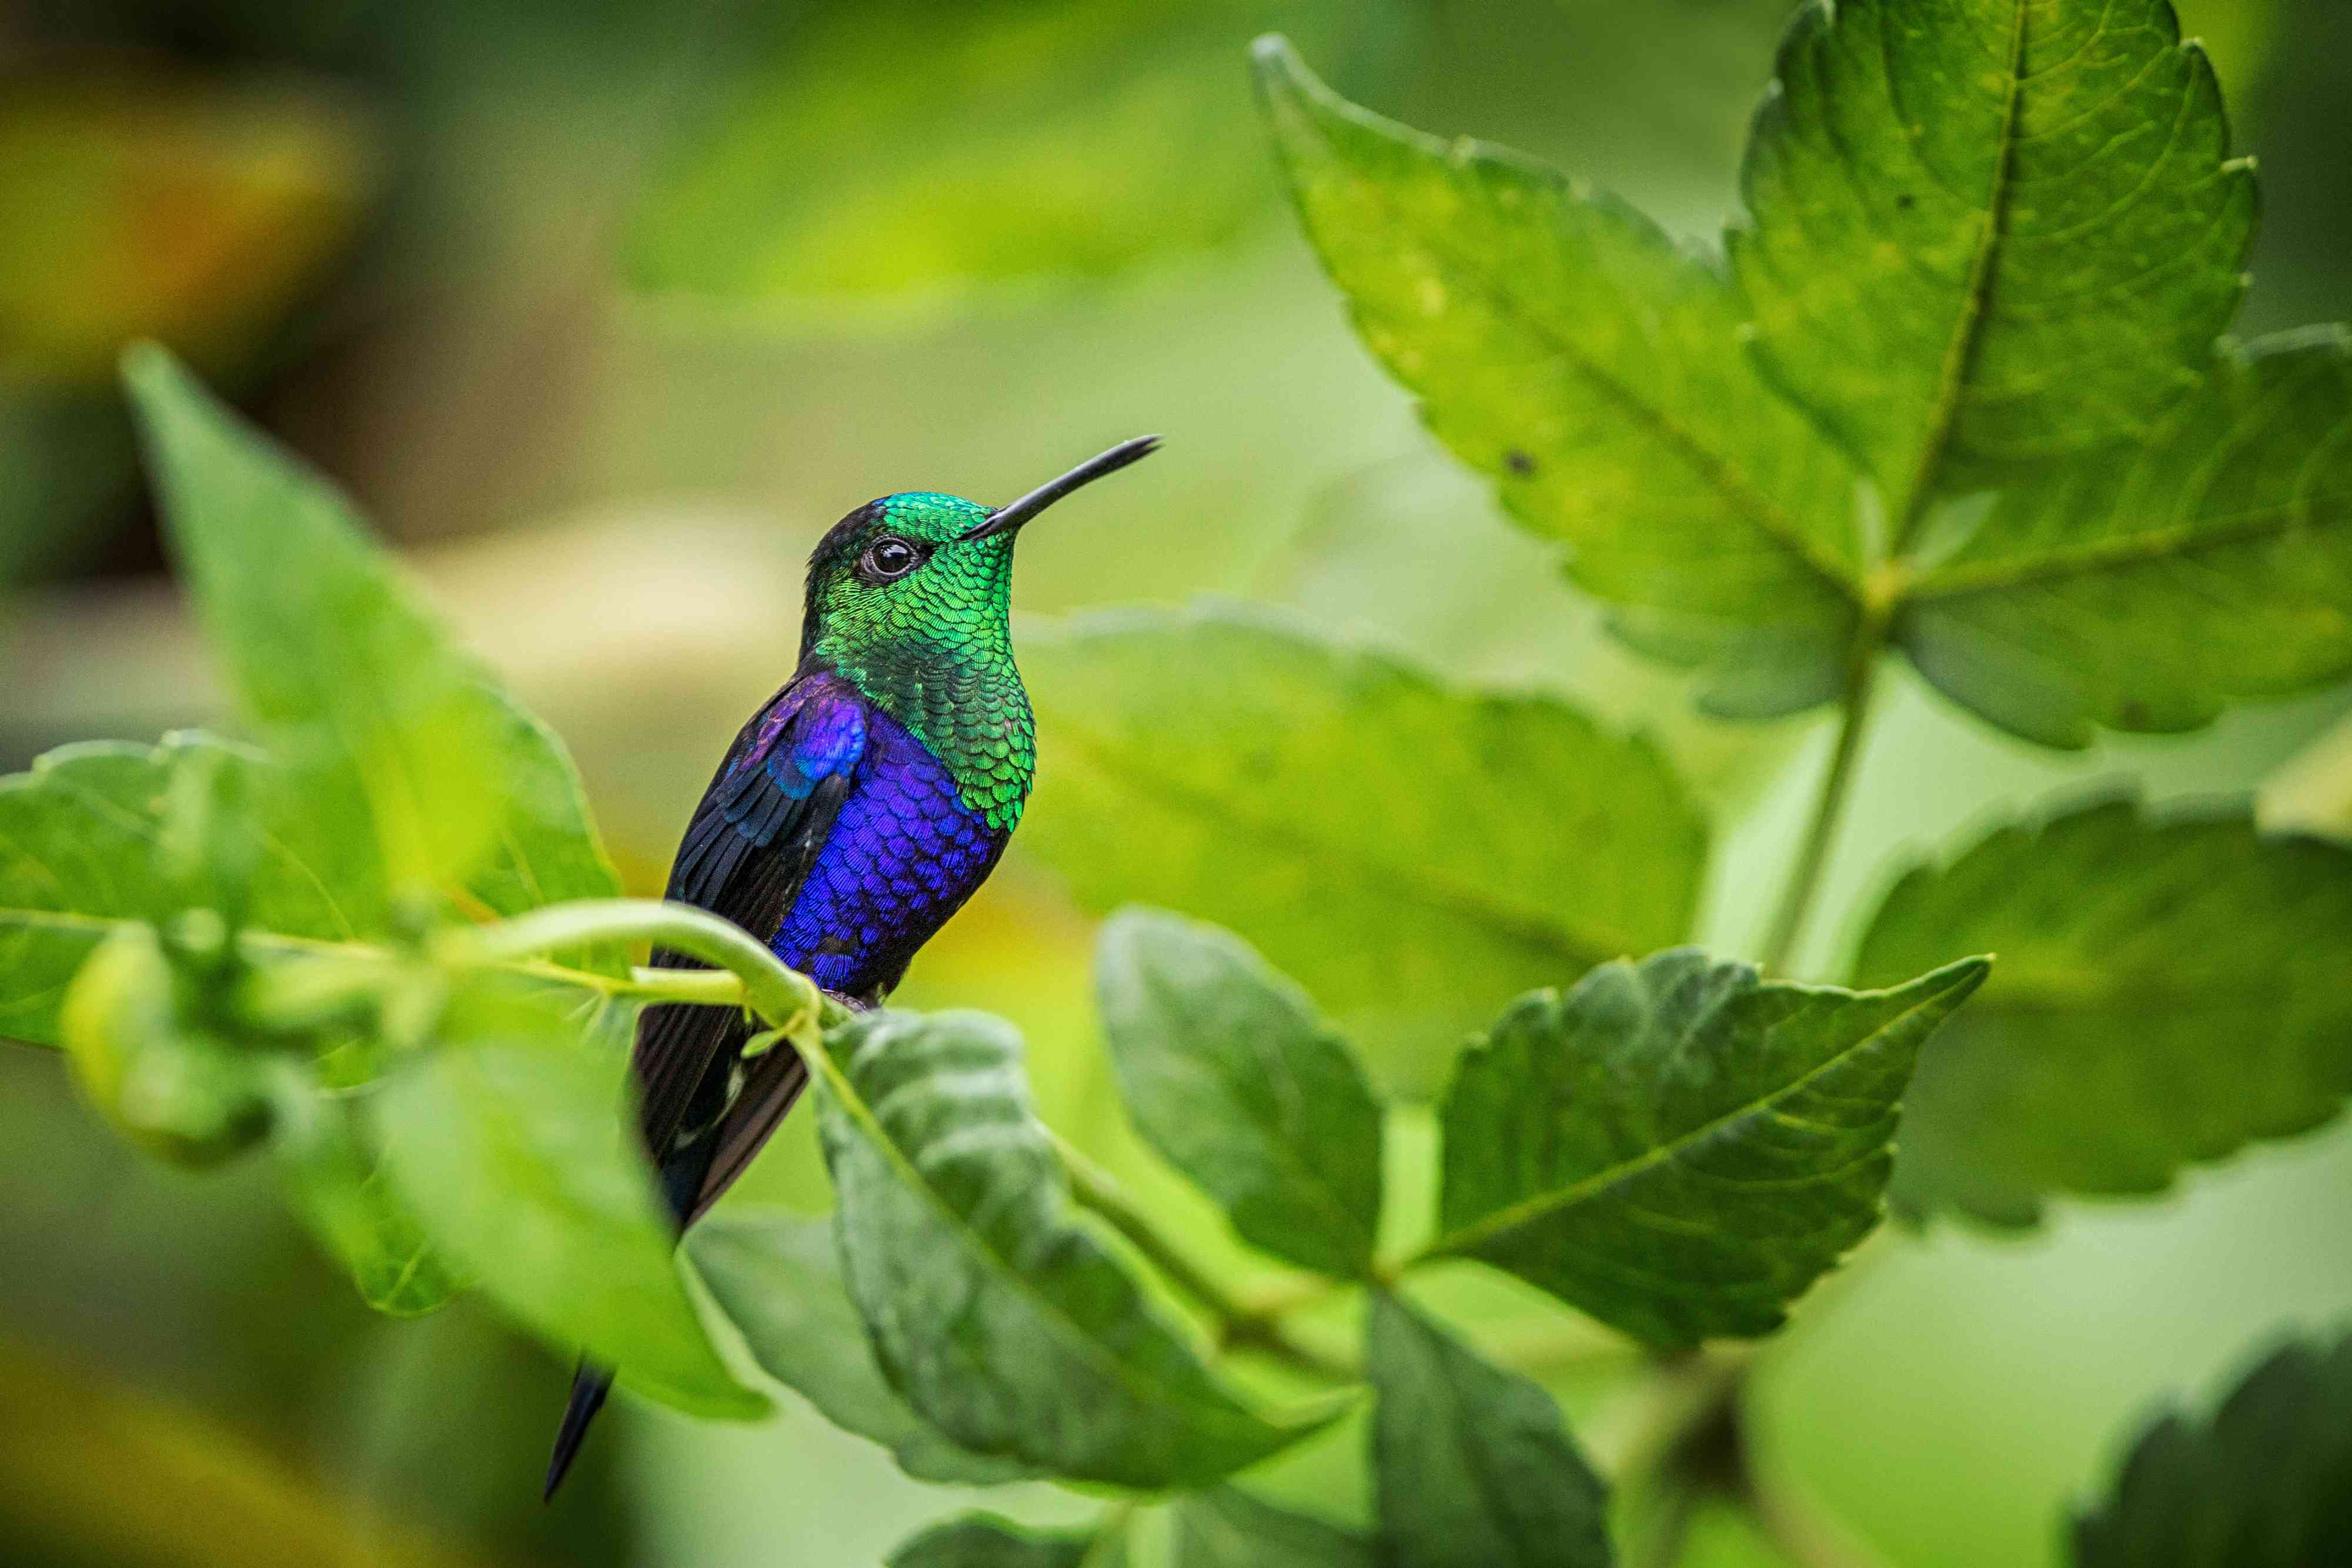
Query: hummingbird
{"type": "Point", "coordinates": [855, 812]}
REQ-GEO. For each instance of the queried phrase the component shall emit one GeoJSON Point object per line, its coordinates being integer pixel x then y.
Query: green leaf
{"type": "Point", "coordinates": [1414, 855]}
{"type": "Point", "coordinates": [336, 1179]}
{"type": "Point", "coordinates": [511, 1143]}
{"type": "Point", "coordinates": [1564, 346]}
{"type": "Point", "coordinates": [988, 1541]}
{"type": "Point", "coordinates": [1987, 232]}
{"type": "Point", "coordinates": [1681, 1147]}
{"type": "Point", "coordinates": [1471, 1463]}
{"type": "Point", "coordinates": [1011, 1328]}
{"type": "Point", "coordinates": [778, 1278]}
{"type": "Point", "coordinates": [1227, 1528]}
{"type": "Point", "coordinates": [424, 776]}
{"type": "Point", "coordinates": [1230, 1074]}
{"type": "Point", "coordinates": [82, 838]}
{"type": "Point", "coordinates": [959, 147]}
{"type": "Point", "coordinates": [2144, 586]}
{"type": "Point", "coordinates": [2170, 988]}
{"type": "Point", "coordinates": [2266, 1483]}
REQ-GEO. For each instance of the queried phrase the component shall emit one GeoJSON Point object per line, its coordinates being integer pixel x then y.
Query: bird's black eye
{"type": "Point", "coordinates": [890, 558]}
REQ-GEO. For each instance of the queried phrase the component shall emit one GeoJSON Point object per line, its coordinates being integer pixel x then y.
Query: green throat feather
{"type": "Point", "coordinates": [934, 649]}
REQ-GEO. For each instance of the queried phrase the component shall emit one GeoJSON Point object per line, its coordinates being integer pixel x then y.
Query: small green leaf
{"type": "Point", "coordinates": [512, 1143]}
{"type": "Point", "coordinates": [397, 746]}
{"type": "Point", "coordinates": [2144, 586]}
{"type": "Point", "coordinates": [336, 1180]}
{"type": "Point", "coordinates": [1227, 1528]}
{"type": "Point", "coordinates": [778, 1278]}
{"type": "Point", "coordinates": [1681, 1147]}
{"type": "Point", "coordinates": [2266, 1483]}
{"type": "Point", "coordinates": [175, 1088]}
{"type": "Point", "coordinates": [1564, 346]}
{"type": "Point", "coordinates": [988, 1541]}
{"type": "Point", "coordinates": [1412, 855]}
{"type": "Point", "coordinates": [1010, 1327]}
{"type": "Point", "coordinates": [1230, 1074]}
{"type": "Point", "coordinates": [1985, 232]}
{"type": "Point", "coordinates": [2170, 988]}
{"type": "Point", "coordinates": [1473, 1466]}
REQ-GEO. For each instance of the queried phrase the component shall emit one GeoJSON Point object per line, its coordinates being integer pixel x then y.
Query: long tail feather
{"type": "Point", "coordinates": [590, 1384]}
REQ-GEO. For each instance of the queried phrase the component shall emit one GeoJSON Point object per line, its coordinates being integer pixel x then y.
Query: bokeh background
{"type": "Point", "coordinates": [603, 309]}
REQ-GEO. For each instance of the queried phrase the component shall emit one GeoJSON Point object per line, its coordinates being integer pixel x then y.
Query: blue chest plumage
{"type": "Point", "coordinates": [904, 854]}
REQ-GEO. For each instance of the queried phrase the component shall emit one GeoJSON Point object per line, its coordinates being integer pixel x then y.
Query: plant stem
{"type": "Point", "coordinates": [1096, 1189]}
{"type": "Point", "coordinates": [1804, 877]}
{"type": "Point", "coordinates": [1640, 1430]}
{"type": "Point", "coordinates": [1803, 1536]}
{"type": "Point", "coordinates": [1109, 1543]}
{"type": "Point", "coordinates": [783, 999]}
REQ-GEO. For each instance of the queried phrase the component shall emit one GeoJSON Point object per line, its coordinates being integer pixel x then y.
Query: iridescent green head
{"type": "Point", "coordinates": [910, 599]}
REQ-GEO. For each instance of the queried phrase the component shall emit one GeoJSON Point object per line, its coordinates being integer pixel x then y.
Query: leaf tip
{"type": "Point", "coordinates": [147, 367]}
{"type": "Point", "coordinates": [1956, 981]}
{"type": "Point", "coordinates": [1275, 58]}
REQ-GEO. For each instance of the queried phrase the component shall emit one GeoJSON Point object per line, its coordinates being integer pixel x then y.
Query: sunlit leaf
{"type": "Point", "coordinates": [1564, 346]}
{"type": "Point", "coordinates": [2265, 1483]}
{"type": "Point", "coordinates": [2170, 986]}
{"type": "Point", "coordinates": [1001, 1319]}
{"type": "Point", "coordinates": [778, 1277]}
{"type": "Point", "coordinates": [1987, 231]}
{"type": "Point", "coordinates": [1230, 1074]}
{"type": "Point", "coordinates": [1680, 1147]}
{"type": "Point", "coordinates": [1471, 1463]}
{"type": "Point", "coordinates": [513, 1145]}
{"type": "Point", "coordinates": [426, 776]}
{"type": "Point", "coordinates": [1412, 855]}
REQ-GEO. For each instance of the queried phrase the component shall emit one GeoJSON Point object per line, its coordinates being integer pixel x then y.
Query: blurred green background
{"type": "Point", "coordinates": [605, 309]}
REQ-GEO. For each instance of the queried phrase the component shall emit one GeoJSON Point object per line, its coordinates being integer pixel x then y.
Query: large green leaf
{"type": "Point", "coordinates": [2169, 987]}
{"type": "Point", "coordinates": [2266, 1483]}
{"type": "Point", "coordinates": [80, 853]}
{"type": "Point", "coordinates": [1681, 1147]}
{"type": "Point", "coordinates": [912, 147]}
{"type": "Point", "coordinates": [511, 1141]}
{"type": "Point", "coordinates": [1988, 231]}
{"type": "Point", "coordinates": [778, 1278]}
{"type": "Point", "coordinates": [1414, 855]}
{"type": "Point", "coordinates": [987, 1540]}
{"type": "Point", "coordinates": [427, 780]}
{"type": "Point", "coordinates": [1226, 1527]}
{"type": "Point", "coordinates": [1567, 347]}
{"type": "Point", "coordinates": [336, 1179]}
{"type": "Point", "coordinates": [1471, 1463]}
{"type": "Point", "coordinates": [1230, 1074]}
{"type": "Point", "coordinates": [1008, 1325]}
{"type": "Point", "coordinates": [2144, 586]}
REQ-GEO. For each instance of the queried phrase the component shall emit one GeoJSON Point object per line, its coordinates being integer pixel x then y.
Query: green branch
{"type": "Point", "coordinates": [1238, 1325]}
{"type": "Point", "coordinates": [1805, 875]}
{"type": "Point", "coordinates": [783, 999]}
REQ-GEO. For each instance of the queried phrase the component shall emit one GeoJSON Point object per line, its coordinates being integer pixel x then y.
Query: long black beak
{"type": "Point", "coordinates": [1005, 519]}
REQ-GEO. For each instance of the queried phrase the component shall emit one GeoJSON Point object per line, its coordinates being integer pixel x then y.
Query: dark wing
{"type": "Point", "coordinates": [749, 848]}
{"type": "Point", "coordinates": [772, 1082]}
